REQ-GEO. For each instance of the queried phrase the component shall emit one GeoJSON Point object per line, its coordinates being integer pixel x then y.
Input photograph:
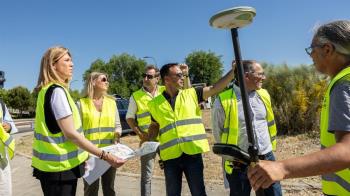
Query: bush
{"type": "Point", "coordinates": [296, 95]}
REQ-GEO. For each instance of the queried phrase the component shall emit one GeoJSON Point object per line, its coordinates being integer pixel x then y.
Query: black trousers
{"type": "Point", "coordinates": [59, 188]}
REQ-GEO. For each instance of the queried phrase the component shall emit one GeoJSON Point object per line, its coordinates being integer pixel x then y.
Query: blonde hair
{"type": "Point", "coordinates": [47, 73]}
{"type": "Point", "coordinates": [89, 83]}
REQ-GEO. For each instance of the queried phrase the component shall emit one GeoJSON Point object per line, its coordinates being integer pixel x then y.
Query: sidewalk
{"type": "Point", "coordinates": [126, 184]}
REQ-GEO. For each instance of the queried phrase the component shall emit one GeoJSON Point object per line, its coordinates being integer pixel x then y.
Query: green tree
{"type": "Point", "coordinates": [204, 67]}
{"type": "Point", "coordinates": [20, 98]}
{"type": "Point", "coordinates": [124, 71]}
{"type": "Point", "coordinates": [3, 95]}
{"type": "Point", "coordinates": [75, 94]}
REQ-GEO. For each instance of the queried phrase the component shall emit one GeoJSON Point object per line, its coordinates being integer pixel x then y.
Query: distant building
{"type": "Point", "coordinates": [2, 79]}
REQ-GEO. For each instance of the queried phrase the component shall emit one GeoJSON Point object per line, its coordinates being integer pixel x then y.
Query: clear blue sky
{"type": "Point", "coordinates": [166, 30]}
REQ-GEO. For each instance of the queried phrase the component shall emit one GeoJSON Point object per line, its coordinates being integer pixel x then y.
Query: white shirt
{"type": "Point", "coordinates": [132, 109]}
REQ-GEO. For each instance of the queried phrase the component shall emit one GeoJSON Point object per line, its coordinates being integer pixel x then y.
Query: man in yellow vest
{"type": "Point", "coordinates": [7, 144]}
{"type": "Point", "coordinates": [330, 52]}
{"type": "Point", "coordinates": [177, 121]}
{"type": "Point", "coordinates": [229, 127]}
{"type": "Point", "coordinates": [139, 119]}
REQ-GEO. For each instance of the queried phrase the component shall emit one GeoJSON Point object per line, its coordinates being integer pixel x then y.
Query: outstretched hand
{"type": "Point", "coordinates": [265, 173]}
{"type": "Point", "coordinates": [114, 161]}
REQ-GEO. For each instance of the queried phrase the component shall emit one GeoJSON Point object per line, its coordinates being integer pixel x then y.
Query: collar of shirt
{"type": "Point", "coordinates": [148, 93]}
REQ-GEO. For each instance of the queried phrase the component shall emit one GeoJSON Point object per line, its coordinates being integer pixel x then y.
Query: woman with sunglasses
{"type": "Point", "coordinates": [101, 125]}
{"type": "Point", "coordinates": [59, 147]}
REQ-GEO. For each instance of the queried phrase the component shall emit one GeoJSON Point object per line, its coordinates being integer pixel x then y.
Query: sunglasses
{"type": "Point", "coordinates": [179, 75]}
{"type": "Point", "coordinates": [150, 77]}
{"type": "Point", "coordinates": [104, 79]}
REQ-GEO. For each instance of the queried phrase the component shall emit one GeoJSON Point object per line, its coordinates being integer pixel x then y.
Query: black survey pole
{"type": "Point", "coordinates": [252, 149]}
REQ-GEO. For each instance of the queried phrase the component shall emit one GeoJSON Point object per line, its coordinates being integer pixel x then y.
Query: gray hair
{"type": "Point", "coordinates": [336, 33]}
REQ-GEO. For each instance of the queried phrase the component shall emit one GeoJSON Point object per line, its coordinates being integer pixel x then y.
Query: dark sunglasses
{"type": "Point", "coordinates": [104, 79]}
{"type": "Point", "coordinates": [148, 76]}
{"type": "Point", "coordinates": [179, 75]}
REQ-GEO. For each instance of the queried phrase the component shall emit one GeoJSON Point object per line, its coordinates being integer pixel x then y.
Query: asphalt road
{"type": "Point", "coordinates": [127, 184]}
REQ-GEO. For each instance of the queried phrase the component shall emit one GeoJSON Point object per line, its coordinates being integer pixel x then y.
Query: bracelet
{"type": "Point", "coordinates": [105, 156]}
{"type": "Point", "coordinates": [102, 154]}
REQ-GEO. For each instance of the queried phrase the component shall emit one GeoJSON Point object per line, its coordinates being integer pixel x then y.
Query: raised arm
{"type": "Point", "coordinates": [185, 72]}
{"type": "Point", "coordinates": [218, 86]}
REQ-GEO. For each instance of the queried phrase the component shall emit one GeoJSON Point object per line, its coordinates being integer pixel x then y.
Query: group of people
{"type": "Point", "coordinates": [66, 132]}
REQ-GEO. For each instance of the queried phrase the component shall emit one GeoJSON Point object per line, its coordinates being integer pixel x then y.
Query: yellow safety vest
{"type": "Point", "coordinates": [181, 130]}
{"type": "Point", "coordinates": [230, 133]}
{"type": "Point", "coordinates": [143, 116]}
{"type": "Point", "coordinates": [7, 142]}
{"type": "Point", "coordinates": [54, 152]}
{"type": "Point", "coordinates": [337, 183]}
{"type": "Point", "coordinates": [99, 127]}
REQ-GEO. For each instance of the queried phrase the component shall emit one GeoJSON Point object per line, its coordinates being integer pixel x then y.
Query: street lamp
{"type": "Point", "coordinates": [151, 57]}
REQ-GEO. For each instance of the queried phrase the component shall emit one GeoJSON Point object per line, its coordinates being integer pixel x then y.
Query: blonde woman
{"type": "Point", "coordinates": [59, 147]}
{"type": "Point", "coordinates": [101, 125]}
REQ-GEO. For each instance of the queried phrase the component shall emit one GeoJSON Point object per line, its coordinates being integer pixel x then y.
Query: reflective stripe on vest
{"type": "Point", "coordinates": [57, 158]}
{"type": "Point", "coordinates": [53, 152]}
{"type": "Point", "coordinates": [53, 140]}
{"type": "Point", "coordinates": [182, 130]}
{"type": "Point", "coordinates": [230, 133]}
{"type": "Point", "coordinates": [7, 143]}
{"type": "Point", "coordinates": [99, 127]}
{"type": "Point", "coordinates": [180, 123]}
{"type": "Point", "coordinates": [338, 182]}
{"type": "Point", "coordinates": [142, 99]}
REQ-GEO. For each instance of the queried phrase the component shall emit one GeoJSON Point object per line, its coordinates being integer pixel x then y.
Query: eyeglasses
{"type": "Point", "coordinates": [150, 77]}
{"type": "Point", "coordinates": [104, 79]}
{"type": "Point", "coordinates": [309, 50]}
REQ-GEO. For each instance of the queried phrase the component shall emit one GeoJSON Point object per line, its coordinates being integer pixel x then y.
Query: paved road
{"type": "Point", "coordinates": [126, 184]}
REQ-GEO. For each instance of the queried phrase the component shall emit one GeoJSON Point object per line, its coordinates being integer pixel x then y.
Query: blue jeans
{"type": "Point", "coordinates": [240, 186]}
{"type": "Point", "coordinates": [192, 166]}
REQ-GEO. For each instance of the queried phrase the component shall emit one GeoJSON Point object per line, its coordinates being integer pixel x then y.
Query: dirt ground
{"type": "Point", "coordinates": [289, 146]}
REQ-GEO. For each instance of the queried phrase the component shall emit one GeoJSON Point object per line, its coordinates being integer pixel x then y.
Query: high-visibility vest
{"type": "Point", "coordinates": [181, 130]}
{"type": "Point", "coordinates": [99, 127]}
{"type": "Point", "coordinates": [7, 142]}
{"type": "Point", "coordinates": [143, 116]}
{"type": "Point", "coordinates": [337, 183]}
{"type": "Point", "coordinates": [230, 133]}
{"type": "Point", "coordinates": [53, 152]}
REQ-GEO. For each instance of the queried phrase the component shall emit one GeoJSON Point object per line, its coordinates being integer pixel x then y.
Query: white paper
{"type": "Point", "coordinates": [95, 166]}
{"type": "Point", "coordinates": [147, 148]}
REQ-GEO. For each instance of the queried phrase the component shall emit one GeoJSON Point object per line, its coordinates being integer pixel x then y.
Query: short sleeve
{"type": "Point", "coordinates": [59, 104]}
{"type": "Point", "coordinates": [339, 108]}
{"type": "Point", "coordinates": [199, 92]}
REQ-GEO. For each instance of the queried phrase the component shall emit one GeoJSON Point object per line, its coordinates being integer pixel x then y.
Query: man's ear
{"type": "Point", "coordinates": [328, 49]}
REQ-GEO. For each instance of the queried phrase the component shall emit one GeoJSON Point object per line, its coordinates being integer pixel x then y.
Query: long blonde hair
{"type": "Point", "coordinates": [47, 73]}
{"type": "Point", "coordinates": [89, 83]}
